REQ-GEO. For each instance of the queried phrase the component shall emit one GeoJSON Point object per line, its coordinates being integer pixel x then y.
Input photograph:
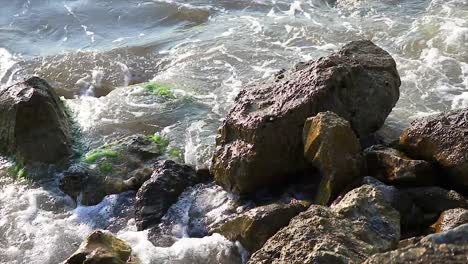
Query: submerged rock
{"type": "Point", "coordinates": [331, 146]}
{"type": "Point", "coordinates": [259, 143]}
{"type": "Point", "coordinates": [360, 225]}
{"type": "Point", "coordinates": [450, 219]}
{"type": "Point", "coordinates": [443, 140]}
{"type": "Point", "coordinates": [103, 248]}
{"type": "Point", "coordinates": [113, 168]}
{"type": "Point", "coordinates": [157, 194]}
{"type": "Point", "coordinates": [34, 126]}
{"type": "Point", "coordinates": [394, 167]}
{"type": "Point", "coordinates": [254, 227]}
{"type": "Point", "coordinates": [448, 247]}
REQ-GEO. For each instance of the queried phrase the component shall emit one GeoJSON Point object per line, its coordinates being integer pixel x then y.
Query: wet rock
{"type": "Point", "coordinates": [442, 140]}
{"type": "Point", "coordinates": [448, 247]}
{"type": "Point", "coordinates": [450, 219]}
{"type": "Point", "coordinates": [259, 143]}
{"type": "Point", "coordinates": [360, 225]}
{"type": "Point", "coordinates": [103, 248]}
{"type": "Point", "coordinates": [254, 227]}
{"type": "Point", "coordinates": [34, 126]}
{"type": "Point", "coordinates": [394, 167]}
{"type": "Point", "coordinates": [331, 146]}
{"type": "Point", "coordinates": [157, 194]}
{"type": "Point", "coordinates": [113, 168]}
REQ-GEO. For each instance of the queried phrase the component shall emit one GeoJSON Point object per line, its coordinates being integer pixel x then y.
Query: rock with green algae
{"type": "Point", "coordinates": [34, 125]}
{"type": "Point", "coordinates": [254, 227]}
{"type": "Point", "coordinates": [360, 225]}
{"type": "Point", "coordinates": [113, 168]}
{"type": "Point", "coordinates": [446, 247]}
{"type": "Point", "coordinates": [331, 145]}
{"type": "Point", "coordinates": [101, 247]}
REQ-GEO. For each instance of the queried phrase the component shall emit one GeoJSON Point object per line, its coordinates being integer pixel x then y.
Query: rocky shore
{"type": "Point", "coordinates": [312, 180]}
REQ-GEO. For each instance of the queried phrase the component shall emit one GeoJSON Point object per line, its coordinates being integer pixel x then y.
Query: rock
{"type": "Point", "coordinates": [411, 216]}
{"type": "Point", "coordinates": [157, 194]}
{"type": "Point", "coordinates": [113, 168]}
{"type": "Point", "coordinates": [360, 225]}
{"type": "Point", "coordinates": [254, 227]}
{"type": "Point", "coordinates": [450, 219]}
{"type": "Point", "coordinates": [448, 247]}
{"type": "Point", "coordinates": [103, 248]}
{"type": "Point", "coordinates": [34, 126]}
{"type": "Point", "coordinates": [394, 167]}
{"type": "Point", "coordinates": [442, 140]}
{"type": "Point", "coordinates": [331, 146]}
{"type": "Point", "coordinates": [259, 143]}
{"type": "Point", "coordinates": [435, 200]}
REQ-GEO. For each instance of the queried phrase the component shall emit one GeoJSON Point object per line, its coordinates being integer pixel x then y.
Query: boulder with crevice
{"type": "Point", "coordinates": [259, 143]}
{"type": "Point", "coordinates": [360, 225]}
{"type": "Point", "coordinates": [161, 190]}
{"type": "Point", "coordinates": [443, 140]}
{"type": "Point", "coordinates": [331, 146]}
{"type": "Point", "coordinates": [101, 247]}
{"type": "Point", "coordinates": [254, 227]}
{"type": "Point", "coordinates": [34, 125]}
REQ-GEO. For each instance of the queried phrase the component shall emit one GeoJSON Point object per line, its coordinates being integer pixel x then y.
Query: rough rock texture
{"type": "Point", "coordinates": [157, 194]}
{"type": "Point", "coordinates": [103, 248]}
{"type": "Point", "coordinates": [435, 200]}
{"type": "Point", "coordinates": [451, 219]}
{"type": "Point", "coordinates": [448, 247]}
{"type": "Point", "coordinates": [254, 227]}
{"type": "Point", "coordinates": [394, 167]}
{"type": "Point", "coordinates": [259, 143]}
{"type": "Point", "coordinates": [34, 126]}
{"type": "Point", "coordinates": [113, 168]}
{"type": "Point", "coordinates": [331, 146]}
{"type": "Point", "coordinates": [443, 140]}
{"type": "Point", "coordinates": [360, 225]}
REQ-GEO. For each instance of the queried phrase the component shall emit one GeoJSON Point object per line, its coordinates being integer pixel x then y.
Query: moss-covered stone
{"type": "Point", "coordinates": [103, 248]}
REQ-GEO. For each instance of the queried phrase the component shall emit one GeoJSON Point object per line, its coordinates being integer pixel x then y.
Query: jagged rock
{"type": "Point", "coordinates": [394, 167]}
{"type": "Point", "coordinates": [442, 140]}
{"type": "Point", "coordinates": [254, 227]}
{"type": "Point", "coordinates": [450, 219]}
{"type": "Point", "coordinates": [360, 225]}
{"type": "Point", "coordinates": [103, 248]}
{"type": "Point", "coordinates": [113, 168]}
{"type": "Point", "coordinates": [157, 194]}
{"type": "Point", "coordinates": [448, 247]}
{"type": "Point", "coordinates": [331, 146]}
{"type": "Point", "coordinates": [34, 126]}
{"type": "Point", "coordinates": [435, 200]}
{"type": "Point", "coordinates": [259, 143]}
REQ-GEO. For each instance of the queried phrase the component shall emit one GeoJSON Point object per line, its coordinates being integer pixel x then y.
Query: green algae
{"type": "Point", "coordinates": [160, 90]}
{"type": "Point", "coordinates": [99, 153]}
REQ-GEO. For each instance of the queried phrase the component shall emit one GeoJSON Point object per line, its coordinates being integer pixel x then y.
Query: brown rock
{"type": "Point", "coordinates": [331, 146]}
{"type": "Point", "coordinates": [254, 227]}
{"type": "Point", "coordinates": [442, 140]}
{"type": "Point", "coordinates": [450, 219]}
{"type": "Point", "coordinates": [259, 143]}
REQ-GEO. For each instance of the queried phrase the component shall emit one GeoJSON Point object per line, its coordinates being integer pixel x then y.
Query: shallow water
{"type": "Point", "coordinates": [207, 50]}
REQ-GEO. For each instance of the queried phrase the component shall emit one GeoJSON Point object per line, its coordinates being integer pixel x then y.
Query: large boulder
{"type": "Point", "coordinates": [447, 247]}
{"type": "Point", "coordinates": [450, 219]}
{"type": "Point", "coordinates": [120, 166]}
{"type": "Point", "coordinates": [394, 167]}
{"type": "Point", "coordinates": [260, 144]}
{"type": "Point", "coordinates": [34, 126]}
{"type": "Point", "coordinates": [442, 140]}
{"type": "Point", "coordinates": [254, 227]}
{"type": "Point", "coordinates": [157, 194]}
{"type": "Point", "coordinates": [360, 225]}
{"type": "Point", "coordinates": [103, 248]}
{"type": "Point", "coordinates": [331, 146]}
